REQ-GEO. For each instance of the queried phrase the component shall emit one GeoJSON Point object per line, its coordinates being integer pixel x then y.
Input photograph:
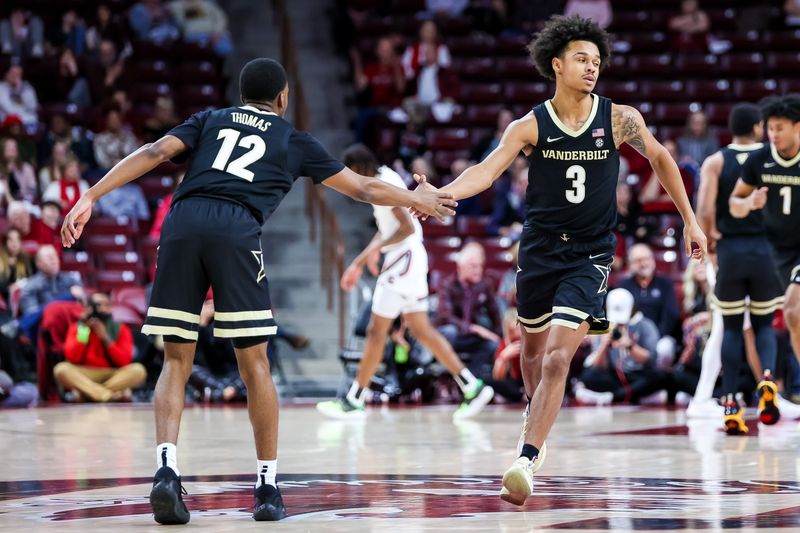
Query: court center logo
{"type": "Point", "coordinates": [563, 502]}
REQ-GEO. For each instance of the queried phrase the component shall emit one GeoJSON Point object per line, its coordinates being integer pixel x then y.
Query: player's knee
{"type": "Point", "coordinates": [791, 314]}
{"type": "Point", "coordinates": [254, 372]}
{"type": "Point", "coordinates": [556, 363]}
{"type": "Point", "coordinates": [376, 329]}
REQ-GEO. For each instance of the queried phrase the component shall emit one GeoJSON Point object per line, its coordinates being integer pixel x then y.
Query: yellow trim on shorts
{"type": "Point", "coordinates": [149, 329]}
{"type": "Point", "coordinates": [565, 323]}
{"type": "Point", "coordinates": [229, 333]}
{"type": "Point", "coordinates": [570, 311]}
{"type": "Point", "coordinates": [173, 314]}
{"type": "Point", "coordinates": [241, 316]}
{"type": "Point", "coordinates": [535, 320]}
{"type": "Point", "coordinates": [769, 303]}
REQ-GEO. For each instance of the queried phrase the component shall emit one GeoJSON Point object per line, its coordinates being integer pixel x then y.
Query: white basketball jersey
{"type": "Point", "coordinates": [387, 222]}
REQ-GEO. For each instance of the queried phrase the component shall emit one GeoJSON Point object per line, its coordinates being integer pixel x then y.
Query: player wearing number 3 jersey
{"type": "Point", "coordinates": [567, 243]}
{"type": "Point", "coordinates": [242, 162]}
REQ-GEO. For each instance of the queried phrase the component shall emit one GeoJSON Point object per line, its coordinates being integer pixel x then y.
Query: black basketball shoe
{"type": "Point", "coordinates": [269, 504]}
{"type": "Point", "coordinates": [166, 498]}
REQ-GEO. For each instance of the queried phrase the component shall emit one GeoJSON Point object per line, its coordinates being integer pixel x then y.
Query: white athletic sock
{"type": "Point", "coordinates": [265, 472]}
{"type": "Point", "coordinates": [167, 455]}
{"type": "Point", "coordinates": [466, 380]}
{"type": "Point", "coordinates": [356, 394]}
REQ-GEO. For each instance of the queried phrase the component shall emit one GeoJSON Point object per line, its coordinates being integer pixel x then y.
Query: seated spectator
{"type": "Point", "coordinates": [12, 128]}
{"type": "Point", "coordinates": [467, 313]}
{"type": "Point", "coordinates": [22, 35]}
{"type": "Point", "coordinates": [106, 72]}
{"type": "Point", "coordinates": [597, 10]}
{"type": "Point", "coordinates": [68, 189]}
{"type": "Point", "coordinates": [106, 26]}
{"type": "Point", "coordinates": [471, 206]}
{"type": "Point", "coordinates": [70, 85]}
{"type": "Point", "coordinates": [115, 142]}
{"type": "Point", "coordinates": [163, 120]}
{"type": "Point", "coordinates": [15, 264]}
{"type": "Point", "coordinates": [653, 193]}
{"type": "Point", "coordinates": [507, 290]}
{"type": "Point", "coordinates": [508, 213]}
{"type": "Point", "coordinates": [18, 97]}
{"type": "Point", "coordinates": [98, 350]}
{"type": "Point", "coordinates": [126, 201]}
{"type": "Point", "coordinates": [13, 394]}
{"type": "Point", "coordinates": [74, 137]}
{"type": "Point", "coordinates": [51, 170]}
{"type": "Point", "coordinates": [19, 178]}
{"type": "Point", "coordinates": [204, 22]}
{"type": "Point", "coordinates": [70, 34]}
{"type": "Point", "coordinates": [627, 211]}
{"type": "Point", "coordinates": [151, 21]}
{"type": "Point", "coordinates": [436, 89]}
{"type": "Point", "coordinates": [622, 368]}
{"type": "Point", "coordinates": [487, 144]}
{"type": "Point", "coordinates": [380, 86]}
{"type": "Point", "coordinates": [697, 292]}
{"type": "Point", "coordinates": [690, 28]}
{"type": "Point", "coordinates": [686, 372]}
{"type": "Point", "coordinates": [48, 229]}
{"type": "Point", "coordinates": [655, 298]}
{"type": "Point", "coordinates": [507, 372]}
{"type": "Point", "coordinates": [697, 142]}
{"type": "Point", "coordinates": [30, 229]}
{"type": "Point", "coordinates": [417, 56]}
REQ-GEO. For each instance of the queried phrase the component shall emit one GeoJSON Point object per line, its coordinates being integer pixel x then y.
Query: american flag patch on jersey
{"type": "Point", "coordinates": [598, 132]}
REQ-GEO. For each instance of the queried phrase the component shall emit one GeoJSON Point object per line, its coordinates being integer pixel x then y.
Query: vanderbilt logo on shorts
{"type": "Point", "coordinates": [259, 255]}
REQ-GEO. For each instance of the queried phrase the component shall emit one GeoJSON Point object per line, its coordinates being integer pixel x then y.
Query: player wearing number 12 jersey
{"type": "Point", "coordinates": [567, 243]}
{"type": "Point", "coordinates": [243, 161]}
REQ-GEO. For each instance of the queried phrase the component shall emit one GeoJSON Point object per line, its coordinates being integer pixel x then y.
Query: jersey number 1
{"type": "Point", "coordinates": [786, 192]}
{"type": "Point", "coordinates": [238, 167]}
{"type": "Point", "coordinates": [577, 174]}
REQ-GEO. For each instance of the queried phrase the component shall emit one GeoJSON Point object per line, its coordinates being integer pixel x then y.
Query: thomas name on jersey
{"type": "Point", "coordinates": [250, 120]}
{"type": "Point", "coordinates": [576, 155]}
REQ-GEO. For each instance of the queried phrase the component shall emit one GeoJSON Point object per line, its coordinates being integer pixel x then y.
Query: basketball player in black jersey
{"type": "Point", "coordinates": [243, 162]}
{"type": "Point", "coordinates": [567, 243]}
{"type": "Point", "coordinates": [770, 183]}
{"type": "Point", "coordinates": [745, 267]}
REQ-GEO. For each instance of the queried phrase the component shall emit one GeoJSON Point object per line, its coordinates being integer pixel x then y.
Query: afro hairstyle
{"type": "Point", "coordinates": [556, 35]}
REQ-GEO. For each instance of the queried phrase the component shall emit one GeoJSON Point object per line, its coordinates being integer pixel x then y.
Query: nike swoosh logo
{"type": "Point", "coordinates": [769, 165]}
{"type": "Point", "coordinates": [554, 140]}
{"type": "Point", "coordinates": [596, 256]}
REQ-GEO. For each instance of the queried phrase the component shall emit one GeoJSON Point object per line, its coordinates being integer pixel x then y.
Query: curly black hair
{"type": "Point", "coordinates": [786, 106]}
{"type": "Point", "coordinates": [556, 35]}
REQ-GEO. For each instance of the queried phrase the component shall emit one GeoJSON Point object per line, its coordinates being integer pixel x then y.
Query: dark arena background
{"type": "Point", "coordinates": [429, 87]}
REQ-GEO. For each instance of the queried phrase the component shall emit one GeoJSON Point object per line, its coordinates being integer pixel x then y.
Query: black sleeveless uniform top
{"type": "Point", "coordinates": [572, 179]}
{"type": "Point", "coordinates": [248, 156]}
{"type": "Point", "coordinates": [765, 167]}
{"type": "Point", "coordinates": [734, 157]}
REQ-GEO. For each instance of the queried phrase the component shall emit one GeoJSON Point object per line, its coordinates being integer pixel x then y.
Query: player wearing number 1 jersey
{"type": "Point", "coordinates": [567, 242]}
{"type": "Point", "coordinates": [243, 161]}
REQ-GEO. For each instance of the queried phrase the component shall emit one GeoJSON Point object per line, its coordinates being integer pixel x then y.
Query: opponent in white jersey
{"type": "Point", "coordinates": [401, 289]}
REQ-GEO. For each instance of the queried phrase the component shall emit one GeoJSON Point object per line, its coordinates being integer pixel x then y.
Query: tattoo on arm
{"type": "Point", "coordinates": [627, 129]}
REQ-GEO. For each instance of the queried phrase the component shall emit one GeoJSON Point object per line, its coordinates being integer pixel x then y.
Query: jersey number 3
{"type": "Point", "coordinates": [238, 167]}
{"type": "Point", "coordinates": [577, 193]}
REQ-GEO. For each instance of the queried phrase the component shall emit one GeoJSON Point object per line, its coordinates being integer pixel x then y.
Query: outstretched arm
{"type": "Point", "coordinates": [374, 191]}
{"type": "Point", "coordinates": [477, 178]}
{"type": "Point", "coordinates": [133, 166]}
{"type": "Point", "coordinates": [629, 127]}
{"type": "Point", "coordinates": [707, 195]}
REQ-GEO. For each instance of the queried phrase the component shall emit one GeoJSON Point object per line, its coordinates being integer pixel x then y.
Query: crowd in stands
{"type": "Point", "coordinates": [82, 85]}
{"type": "Point", "coordinates": [437, 82]}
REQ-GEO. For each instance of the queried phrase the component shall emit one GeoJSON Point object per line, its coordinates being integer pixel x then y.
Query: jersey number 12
{"type": "Point", "coordinates": [577, 174]}
{"type": "Point", "coordinates": [238, 167]}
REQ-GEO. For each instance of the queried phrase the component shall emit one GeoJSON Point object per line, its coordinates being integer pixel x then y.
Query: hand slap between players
{"type": "Point", "coordinates": [75, 220]}
{"type": "Point", "coordinates": [441, 202]}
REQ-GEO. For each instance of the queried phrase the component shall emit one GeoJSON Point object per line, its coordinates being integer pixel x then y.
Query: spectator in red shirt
{"type": "Point", "coordinates": [99, 353]}
{"type": "Point", "coordinates": [380, 86]}
{"type": "Point", "coordinates": [33, 229]}
{"type": "Point", "coordinates": [68, 188]}
{"type": "Point", "coordinates": [416, 55]}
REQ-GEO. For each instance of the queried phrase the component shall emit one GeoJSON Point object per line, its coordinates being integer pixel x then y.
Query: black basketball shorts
{"type": "Point", "coordinates": [746, 269]}
{"type": "Point", "coordinates": [787, 262]}
{"type": "Point", "coordinates": [210, 242]}
{"type": "Point", "coordinates": [563, 281]}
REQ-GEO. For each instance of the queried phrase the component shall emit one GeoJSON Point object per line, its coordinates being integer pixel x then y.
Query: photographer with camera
{"type": "Point", "coordinates": [623, 366]}
{"type": "Point", "coordinates": [99, 353]}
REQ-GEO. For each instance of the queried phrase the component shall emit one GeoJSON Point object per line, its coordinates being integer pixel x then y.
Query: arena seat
{"type": "Point", "coordinates": [72, 261]}
{"type": "Point", "coordinates": [479, 68]}
{"type": "Point", "coordinates": [98, 244]}
{"type": "Point", "coordinates": [110, 280]}
{"type": "Point", "coordinates": [741, 65]}
{"type": "Point", "coordinates": [480, 93]}
{"type": "Point", "coordinates": [619, 91]}
{"type": "Point", "coordinates": [112, 226]}
{"type": "Point", "coordinates": [125, 315]}
{"type": "Point", "coordinates": [150, 71]}
{"type": "Point", "coordinates": [782, 41]}
{"type": "Point", "coordinates": [663, 91]}
{"type": "Point", "coordinates": [697, 65]}
{"type": "Point", "coordinates": [433, 228]}
{"type": "Point", "coordinates": [198, 95]}
{"type": "Point", "coordinates": [133, 297]}
{"type": "Point", "coordinates": [526, 93]}
{"type": "Point", "coordinates": [448, 139]}
{"type": "Point", "coordinates": [119, 260]}
{"type": "Point", "coordinates": [515, 68]}
{"type": "Point", "coordinates": [472, 226]}
{"type": "Point", "coordinates": [754, 90]}
{"type": "Point", "coordinates": [201, 72]}
{"type": "Point", "coordinates": [708, 90]}
{"type": "Point", "coordinates": [778, 63]}
{"type": "Point", "coordinates": [650, 65]}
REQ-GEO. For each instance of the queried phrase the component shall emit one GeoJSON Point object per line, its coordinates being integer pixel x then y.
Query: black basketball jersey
{"type": "Point", "coordinates": [249, 156]}
{"type": "Point", "coordinates": [766, 167]}
{"type": "Point", "coordinates": [572, 179]}
{"type": "Point", "coordinates": [734, 157]}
